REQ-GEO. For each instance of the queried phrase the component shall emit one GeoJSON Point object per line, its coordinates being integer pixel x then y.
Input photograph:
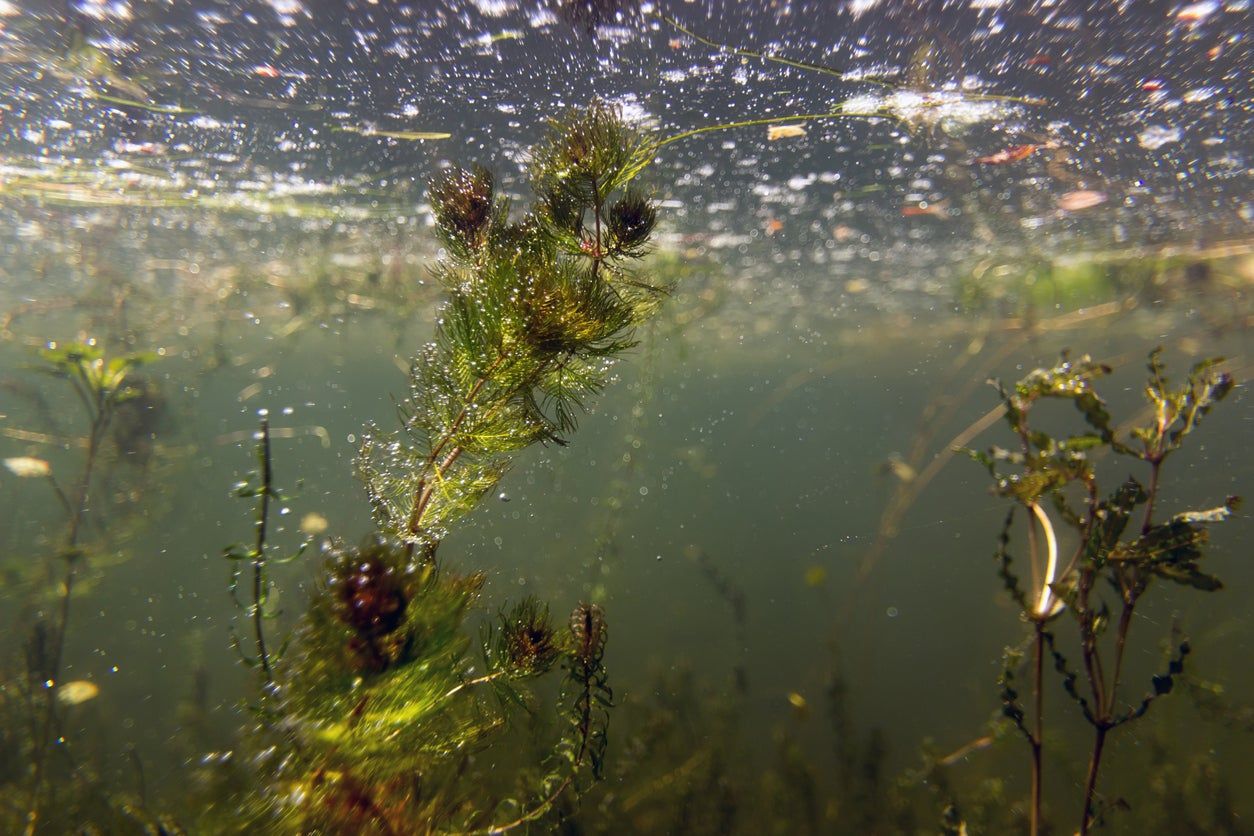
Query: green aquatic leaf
{"type": "Point", "coordinates": [239, 551]}
{"type": "Point", "coordinates": [1172, 550]}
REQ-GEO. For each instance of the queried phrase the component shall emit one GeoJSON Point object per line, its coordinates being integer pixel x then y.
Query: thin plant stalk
{"type": "Point", "coordinates": [259, 550]}
{"type": "Point", "coordinates": [100, 411]}
{"type": "Point", "coordinates": [1046, 607]}
{"type": "Point", "coordinates": [425, 488]}
{"type": "Point", "coordinates": [1104, 720]}
{"type": "Point", "coordinates": [1038, 728]}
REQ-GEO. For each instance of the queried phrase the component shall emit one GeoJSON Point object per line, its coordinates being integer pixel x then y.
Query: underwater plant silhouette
{"type": "Point", "coordinates": [1049, 470]}
{"type": "Point", "coordinates": [102, 385]}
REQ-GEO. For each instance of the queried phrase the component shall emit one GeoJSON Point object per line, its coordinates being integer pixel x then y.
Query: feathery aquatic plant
{"type": "Point", "coordinates": [378, 707]}
{"type": "Point", "coordinates": [539, 306]}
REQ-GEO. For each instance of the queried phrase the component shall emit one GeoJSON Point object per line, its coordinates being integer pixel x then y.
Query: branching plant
{"type": "Point", "coordinates": [538, 308]}
{"type": "Point", "coordinates": [1059, 472]}
{"type": "Point", "coordinates": [101, 385]}
{"type": "Point", "coordinates": [380, 705]}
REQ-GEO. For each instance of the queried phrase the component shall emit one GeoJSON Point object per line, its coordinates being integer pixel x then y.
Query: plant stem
{"type": "Point", "coordinates": [1104, 699]}
{"type": "Point", "coordinates": [259, 550]}
{"type": "Point", "coordinates": [1090, 784]}
{"type": "Point", "coordinates": [423, 492]}
{"type": "Point", "coordinates": [1121, 640]}
{"type": "Point", "coordinates": [1105, 714]}
{"type": "Point", "coordinates": [100, 415]}
{"type": "Point", "coordinates": [1038, 698]}
{"type": "Point", "coordinates": [1156, 464]}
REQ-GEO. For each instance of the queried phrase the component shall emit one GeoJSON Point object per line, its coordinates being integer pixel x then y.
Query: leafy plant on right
{"type": "Point", "coordinates": [1124, 544]}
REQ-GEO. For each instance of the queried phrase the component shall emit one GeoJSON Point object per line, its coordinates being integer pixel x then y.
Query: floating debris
{"type": "Point", "coordinates": [1156, 136]}
{"type": "Point", "coordinates": [949, 108]}
{"type": "Point", "coordinates": [28, 467]}
{"type": "Point", "coordinates": [815, 576]}
{"type": "Point", "coordinates": [777, 132]}
{"type": "Point", "coordinates": [1009, 155]}
{"type": "Point", "coordinates": [77, 692]}
{"type": "Point", "coordinates": [1195, 12]}
{"type": "Point", "coordinates": [937, 209]}
{"type": "Point", "coordinates": [407, 135]}
{"type": "Point", "coordinates": [313, 524]}
{"type": "Point", "coordinates": [1077, 201]}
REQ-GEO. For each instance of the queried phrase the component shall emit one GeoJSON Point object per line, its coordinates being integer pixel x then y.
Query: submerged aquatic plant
{"type": "Point", "coordinates": [378, 705]}
{"type": "Point", "coordinates": [538, 308]}
{"type": "Point", "coordinates": [102, 385]}
{"type": "Point", "coordinates": [1060, 472]}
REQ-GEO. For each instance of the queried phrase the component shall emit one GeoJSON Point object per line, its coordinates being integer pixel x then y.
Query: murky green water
{"type": "Point", "coordinates": [806, 623]}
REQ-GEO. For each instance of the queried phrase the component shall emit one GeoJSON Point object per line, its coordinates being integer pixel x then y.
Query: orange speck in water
{"type": "Point", "coordinates": [1075, 201]}
{"type": "Point", "coordinates": [1009, 155]}
{"type": "Point", "coordinates": [939, 209]}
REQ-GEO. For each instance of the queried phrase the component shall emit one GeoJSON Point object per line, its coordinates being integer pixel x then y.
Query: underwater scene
{"type": "Point", "coordinates": [613, 417]}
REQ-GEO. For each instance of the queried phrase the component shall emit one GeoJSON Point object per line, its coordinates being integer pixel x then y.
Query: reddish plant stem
{"type": "Point", "coordinates": [1090, 783]}
{"type": "Point", "coordinates": [1156, 463]}
{"type": "Point", "coordinates": [423, 491]}
{"type": "Point", "coordinates": [1105, 700]}
{"type": "Point", "coordinates": [1038, 730]}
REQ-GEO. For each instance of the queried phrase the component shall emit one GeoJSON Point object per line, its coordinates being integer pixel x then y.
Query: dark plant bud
{"type": "Point", "coordinates": [587, 628]}
{"type": "Point", "coordinates": [369, 590]}
{"type": "Point", "coordinates": [631, 220]}
{"type": "Point", "coordinates": [530, 646]}
{"type": "Point", "coordinates": [462, 202]}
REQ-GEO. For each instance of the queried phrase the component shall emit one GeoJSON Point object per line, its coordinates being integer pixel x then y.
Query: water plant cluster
{"type": "Point", "coordinates": [394, 705]}
{"type": "Point", "coordinates": [1123, 548]}
{"type": "Point", "coordinates": [380, 703]}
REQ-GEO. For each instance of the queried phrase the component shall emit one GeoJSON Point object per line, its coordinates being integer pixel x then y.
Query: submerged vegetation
{"type": "Point", "coordinates": [104, 386]}
{"type": "Point", "coordinates": [418, 680]}
{"type": "Point", "coordinates": [1060, 471]}
{"type": "Point", "coordinates": [390, 702]}
{"type": "Point", "coordinates": [377, 708]}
